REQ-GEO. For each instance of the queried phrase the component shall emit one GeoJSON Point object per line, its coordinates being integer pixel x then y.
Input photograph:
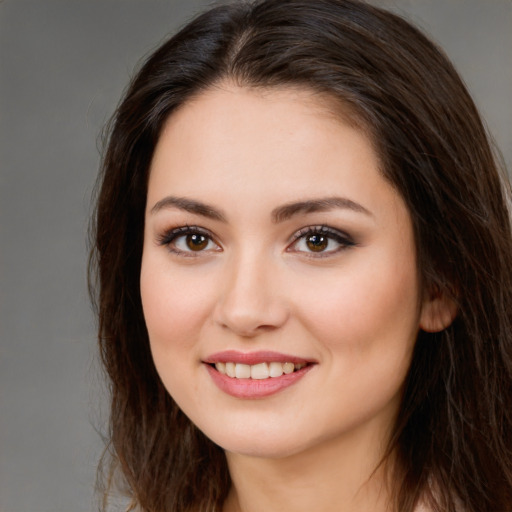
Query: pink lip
{"type": "Point", "coordinates": [262, 356]}
{"type": "Point", "coordinates": [254, 388]}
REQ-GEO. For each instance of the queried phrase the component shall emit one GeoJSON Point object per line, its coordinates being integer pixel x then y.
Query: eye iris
{"type": "Point", "coordinates": [317, 243]}
{"type": "Point", "coordinates": [196, 242]}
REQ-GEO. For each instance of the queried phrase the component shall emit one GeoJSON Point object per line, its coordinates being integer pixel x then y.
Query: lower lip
{"type": "Point", "coordinates": [254, 388]}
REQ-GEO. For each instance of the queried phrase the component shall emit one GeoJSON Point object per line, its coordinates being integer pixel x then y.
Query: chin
{"type": "Point", "coordinates": [262, 441]}
{"type": "Point", "coordinates": [266, 447]}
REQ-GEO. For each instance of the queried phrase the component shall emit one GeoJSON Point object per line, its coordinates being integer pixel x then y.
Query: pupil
{"type": "Point", "coordinates": [317, 243]}
{"type": "Point", "coordinates": [196, 242]}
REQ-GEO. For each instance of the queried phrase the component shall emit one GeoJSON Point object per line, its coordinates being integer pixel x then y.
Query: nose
{"type": "Point", "coordinates": [251, 301]}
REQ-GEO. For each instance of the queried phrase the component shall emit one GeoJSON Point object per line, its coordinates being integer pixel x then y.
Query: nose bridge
{"type": "Point", "coordinates": [249, 302]}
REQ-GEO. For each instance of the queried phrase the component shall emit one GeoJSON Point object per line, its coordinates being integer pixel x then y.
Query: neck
{"type": "Point", "coordinates": [336, 476]}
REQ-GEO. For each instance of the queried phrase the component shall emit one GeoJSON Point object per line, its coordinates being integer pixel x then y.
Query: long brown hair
{"type": "Point", "coordinates": [453, 435]}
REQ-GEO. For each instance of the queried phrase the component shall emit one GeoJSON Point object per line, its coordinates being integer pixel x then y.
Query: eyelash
{"type": "Point", "coordinates": [341, 238]}
{"type": "Point", "coordinates": [170, 237]}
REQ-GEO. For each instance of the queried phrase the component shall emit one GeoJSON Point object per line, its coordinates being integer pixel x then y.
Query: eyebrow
{"type": "Point", "coordinates": [279, 214]}
{"type": "Point", "coordinates": [191, 206]}
{"type": "Point", "coordinates": [289, 210]}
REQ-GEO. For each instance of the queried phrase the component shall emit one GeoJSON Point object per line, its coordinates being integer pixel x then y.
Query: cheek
{"type": "Point", "coordinates": [367, 324]}
{"type": "Point", "coordinates": [175, 305]}
{"type": "Point", "coordinates": [368, 307]}
{"type": "Point", "coordinates": [175, 310]}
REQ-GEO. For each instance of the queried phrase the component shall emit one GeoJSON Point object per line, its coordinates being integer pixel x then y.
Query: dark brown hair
{"type": "Point", "coordinates": [452, 438]}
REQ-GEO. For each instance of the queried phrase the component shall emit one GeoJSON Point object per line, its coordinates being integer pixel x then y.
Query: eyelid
{"type": "Point", "coordinates": [170, 235]}
{"type": "Point", "coordinates": [344, 239]}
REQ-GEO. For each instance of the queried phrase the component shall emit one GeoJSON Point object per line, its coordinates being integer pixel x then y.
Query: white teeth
{"type": "Point", "coordinates": [242, 371]}
{"type": "Point", "coordinates": [230, 369]}
{"type": "Point", "coordinates": [288, 368]}
{"type": "Point", "coordinates": [276, 369]}
{"type": "Point", "coordinates": [258, 371]}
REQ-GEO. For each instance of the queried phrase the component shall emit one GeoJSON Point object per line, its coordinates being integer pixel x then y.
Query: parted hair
{"type": "Point", "coordinates": [452, 440]}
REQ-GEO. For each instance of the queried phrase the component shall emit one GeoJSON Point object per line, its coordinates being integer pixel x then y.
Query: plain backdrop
{"type": "Point", "coordinates": [63, 67]}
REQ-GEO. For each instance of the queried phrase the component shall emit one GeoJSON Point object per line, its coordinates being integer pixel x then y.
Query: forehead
{"type": "Point", "coordinates": [263, 146]}
{"type": "Point", "coordinates": [227, 115]}
{"type": "Point", "coordinates": [224, 98]}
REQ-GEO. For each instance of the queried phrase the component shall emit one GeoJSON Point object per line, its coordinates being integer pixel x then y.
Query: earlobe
{"type": "Point", "coordinates": [437, 313]}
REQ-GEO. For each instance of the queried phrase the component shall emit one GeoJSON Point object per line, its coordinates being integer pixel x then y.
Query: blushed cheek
{"type": "Point", "coordinates": [364, 311]}
{"type": "Point", "coordinates": [173, 309]}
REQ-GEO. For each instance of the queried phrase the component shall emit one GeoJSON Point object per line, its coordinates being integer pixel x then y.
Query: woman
{"type": "Point", "coordinates": [304, 262]}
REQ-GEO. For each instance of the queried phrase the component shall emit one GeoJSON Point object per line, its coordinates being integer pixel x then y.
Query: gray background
{"type": "Point", "coordinates": [63, 66]}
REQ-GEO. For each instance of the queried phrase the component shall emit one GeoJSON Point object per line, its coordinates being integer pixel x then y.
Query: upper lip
{"type": "Point", "coordinates": [251, 358]}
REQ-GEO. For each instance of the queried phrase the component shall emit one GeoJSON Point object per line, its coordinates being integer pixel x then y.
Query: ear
{"type": "Point", "coordinates": [437, 312]}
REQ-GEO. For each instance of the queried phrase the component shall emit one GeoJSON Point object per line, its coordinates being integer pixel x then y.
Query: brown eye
{"type": "Point", "coordinates": [320, 241]}
{"type": "Point", "coordinates": [317, 242]}
{"type": "Point", "coordinates": [189, 240]}
{"type": "Point", "coordinates": [196, 241]}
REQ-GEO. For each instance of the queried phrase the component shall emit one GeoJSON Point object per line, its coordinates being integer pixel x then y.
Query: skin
{"type": "Point", "coordinates": [354, 308]}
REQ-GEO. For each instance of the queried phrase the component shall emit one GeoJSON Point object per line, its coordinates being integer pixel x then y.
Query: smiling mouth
{"type": "Point", "coordinates": [260, 371]}
{"type": "Point", "coordinates": [256, 375]}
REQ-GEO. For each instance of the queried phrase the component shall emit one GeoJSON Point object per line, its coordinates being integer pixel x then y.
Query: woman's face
{"type": "Point", "coordinates": [272, 245]}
